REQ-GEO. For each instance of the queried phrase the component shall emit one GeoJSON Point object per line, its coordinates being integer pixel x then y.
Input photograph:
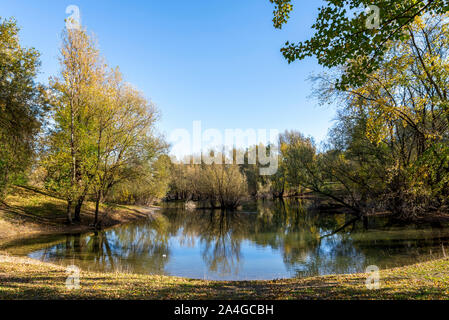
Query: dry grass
{"type": "Point", "coordinates": [24, 278]}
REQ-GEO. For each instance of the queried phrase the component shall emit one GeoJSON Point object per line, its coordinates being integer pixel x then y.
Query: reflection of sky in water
{"type": "Point", "coordinates": [275, 242]}
{"type": "Point", "coordinates": [254, 262]}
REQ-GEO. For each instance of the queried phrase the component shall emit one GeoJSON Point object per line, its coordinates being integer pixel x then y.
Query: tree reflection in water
{"type": "Point", "coordinates": [140, 248]}
{"type": "Point", "coordinates": [228, 244]}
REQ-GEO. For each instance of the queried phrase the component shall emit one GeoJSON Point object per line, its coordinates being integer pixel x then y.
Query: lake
{"type": "Point", "coordinates": [265, 240]}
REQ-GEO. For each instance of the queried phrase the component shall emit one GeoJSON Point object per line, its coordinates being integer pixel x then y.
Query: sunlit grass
{"type": "Point", "coordinates": [22, 278]}
{"type": "Point", "coordinates": [28, 210]}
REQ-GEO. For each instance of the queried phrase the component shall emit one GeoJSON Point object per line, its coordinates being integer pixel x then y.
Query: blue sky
{"type": "Point", "coordinates": [216, 61]}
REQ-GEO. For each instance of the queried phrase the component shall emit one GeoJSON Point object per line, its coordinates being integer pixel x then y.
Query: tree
{"type": "Point", "coordinates": [342, 38]}
{"type": "Point", "coordinates": [125, 141]}
{"type": "Point", "coordinates": [22, 103]}
{"type": "Point", "coordinates": [77, 96]}
{"type": "Point", "coordinates": [219, 185]}
{"type": "Point", "coordinates": [103, 132]}
{"type": "Point", "coordinates": [223, 184]}
{"type": "Point", "coordinates": [148, 182]}
{"type": "Point", "coordinates": [389, 150]}
{"type": "Point", "coordinates": [290, 169]}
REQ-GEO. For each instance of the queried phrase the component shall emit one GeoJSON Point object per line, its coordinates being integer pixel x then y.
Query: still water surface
{"type": "Point", "coordinates": [267, 240]}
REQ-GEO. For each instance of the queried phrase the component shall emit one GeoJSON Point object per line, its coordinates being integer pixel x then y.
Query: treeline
{"type": "Point", "coordinates": [228, 185]}
{"type": "Point", "coordinates": [389, 148]}
{"type": "Point", "coordinates": [88, 135]}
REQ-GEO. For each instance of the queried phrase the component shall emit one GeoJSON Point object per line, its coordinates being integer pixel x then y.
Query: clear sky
{"type": "Point", "coordinates": [217, 61]}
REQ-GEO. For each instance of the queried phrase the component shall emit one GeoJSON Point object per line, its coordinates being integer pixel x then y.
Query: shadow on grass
{"type": "Point", "coordinates": [52, 286]}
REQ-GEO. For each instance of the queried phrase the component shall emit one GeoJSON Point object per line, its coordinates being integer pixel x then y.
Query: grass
{"type": "Point", "coordinates": [24, 278]}
{"type": "Point", "coordinates": [28, 211]}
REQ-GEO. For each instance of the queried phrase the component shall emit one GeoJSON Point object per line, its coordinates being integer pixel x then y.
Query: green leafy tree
{"type": "Point", "coordinates": [22, 103]}
{"type": "Point", "coordinates": [147, 182]}
{"type": "Point", "coordinates": [342, 37]}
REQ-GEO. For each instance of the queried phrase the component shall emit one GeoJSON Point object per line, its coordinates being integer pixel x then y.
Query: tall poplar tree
{"type": "Point", "coordinates": [76, 92]}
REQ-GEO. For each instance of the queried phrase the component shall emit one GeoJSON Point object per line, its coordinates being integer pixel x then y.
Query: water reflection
{"type": "Point", "coordinates": [264, 241]}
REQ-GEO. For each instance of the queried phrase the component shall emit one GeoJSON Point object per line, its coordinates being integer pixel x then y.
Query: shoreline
{"type": "Point", "coordinates": [31, 212]}
{"type": "Point", "coordinates": [77, 228]}
{"type": "Point", "coordinates": [73, 229]}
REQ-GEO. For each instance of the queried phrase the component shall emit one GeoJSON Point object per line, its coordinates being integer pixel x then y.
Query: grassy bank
{"type": "Point", "coordinates": [23, 278]}
{"type": "Point", "coordinates": [30, 211]}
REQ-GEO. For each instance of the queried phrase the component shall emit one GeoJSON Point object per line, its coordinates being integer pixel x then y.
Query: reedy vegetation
{"type": "Point", "coordinates": [214, 185]}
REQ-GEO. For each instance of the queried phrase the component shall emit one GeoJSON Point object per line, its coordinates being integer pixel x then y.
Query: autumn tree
{"type": "Point", "coordinates": [103, 132]}
{"type": "Point", "coordinates": [77, 98]}
{"type": "Point", "coordinates": [125, 138]}
{"type": "Point", "coordinates": [219, 185]}
{"type": "Point", "coordinates": [389, 149]}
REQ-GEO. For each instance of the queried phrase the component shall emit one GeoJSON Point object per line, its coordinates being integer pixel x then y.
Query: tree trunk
{"type": "Point", "coordinates": [72, 152]}
{"type": "Point", "coordinates": [69, 214]}
{"type": "Point", "coordinates": [78, 206]}
{"type": "Point", "coordinates": [97, 207]}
